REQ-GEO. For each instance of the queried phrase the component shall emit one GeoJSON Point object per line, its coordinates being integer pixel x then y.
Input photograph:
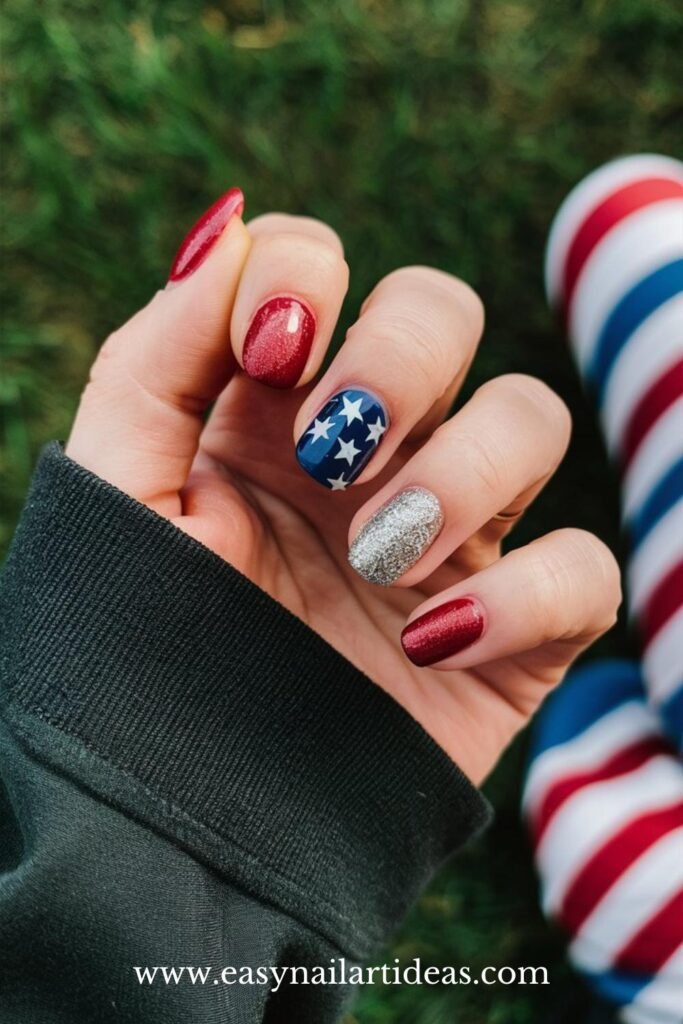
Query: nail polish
{"type": "Point", "coordinates": [443, 631]}
{"type": "Point", "coordinates": [397, 536]}
{"type": "Point", "coordinates": [335, 448]}
{"type": "Point", "coordinates": [278, 342]}
{"type": "Point", "coordinates": [202, 237]}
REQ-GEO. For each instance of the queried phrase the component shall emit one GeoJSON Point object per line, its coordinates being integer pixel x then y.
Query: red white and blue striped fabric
{"type": "Point", "coordinates": [604, 792]}
{"type": "Point", "coordinates": [614, 268]}
{"type": "Point", "coordinates": [604, 804]}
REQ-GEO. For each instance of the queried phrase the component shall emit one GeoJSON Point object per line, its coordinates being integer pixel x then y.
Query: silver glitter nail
{"type": "Point", "coordinates": [397, 536]}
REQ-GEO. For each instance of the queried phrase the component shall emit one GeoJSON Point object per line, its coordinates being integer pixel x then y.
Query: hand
{"type": "Point", "coordinates": [501, 630]}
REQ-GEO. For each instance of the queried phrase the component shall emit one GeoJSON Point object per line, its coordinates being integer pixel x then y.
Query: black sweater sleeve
{"type": "Point", "coordinates": [189, 776]}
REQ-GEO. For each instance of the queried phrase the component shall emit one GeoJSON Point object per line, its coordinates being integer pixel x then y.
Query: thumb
{"type": "Point", "coordinates": [141, 414]}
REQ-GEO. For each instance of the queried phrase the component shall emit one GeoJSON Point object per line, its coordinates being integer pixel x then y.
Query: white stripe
{"type": "Point", "coordinates": [650, 352]}
{"type": "Point", "coordinates": [659, 1002]}
{"type": "Point", "coordinates": [660, 449]}
{"type": "Point", "coordinates": [585, 196]}
{"type": "Point", "coordinates": [593, 814]}
{"type": "Point", "coordinates": [663, 660]}
{"type": "Point", "coordinates": [635, 248]}
{"type": "Point", "coordinates": [613, 731]}
{"type": "Point", "coordinates": [637, 895]}
{"type": "Point", "coordinates": [654, 557]}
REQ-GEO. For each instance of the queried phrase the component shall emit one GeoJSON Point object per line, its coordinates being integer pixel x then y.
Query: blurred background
{"type": "Point", "coordinates": [433, 131]}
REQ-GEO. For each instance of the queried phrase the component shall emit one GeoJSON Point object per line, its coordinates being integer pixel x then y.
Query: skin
{"type": "Point", "coordinates": [234, 485]}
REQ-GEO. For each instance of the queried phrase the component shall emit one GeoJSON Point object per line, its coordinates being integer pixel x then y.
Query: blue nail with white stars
{"type": "Point", "coordinates": [337, 446]}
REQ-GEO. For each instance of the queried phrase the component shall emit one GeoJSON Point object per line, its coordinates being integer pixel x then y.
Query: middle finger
{"type": "Point", "coordinates": [416, 332]}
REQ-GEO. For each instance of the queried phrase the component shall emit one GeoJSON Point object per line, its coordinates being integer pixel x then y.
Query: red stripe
{"type": "Point", "coordinates": [653, 404]}
{"type": "Point", "coordinates": [651, 947]}
{"type": "Point", "coordinates": [626, 760]}
{"type": "Point", "coordinates": [609, 863]}
{"type": "Point", "coordinates": [609, 212]}
{"type": "Point", "coordinates": [665, 600]}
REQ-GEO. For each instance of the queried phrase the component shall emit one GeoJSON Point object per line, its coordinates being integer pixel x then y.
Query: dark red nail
{"type": "Point", "coordinates": [443, 631]}
{"type": "Point", "coordinates": [201, 238]}
{"type": "Point", "coordinates": [278, 342]}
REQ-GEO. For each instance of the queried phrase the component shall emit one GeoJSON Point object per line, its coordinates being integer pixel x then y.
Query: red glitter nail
{"type": "Point", "coordinates": [201, 238]}
{"type": "Point", "coordinates": [443, 631]}
{"type": "Point", "coordinates": [278, 342]}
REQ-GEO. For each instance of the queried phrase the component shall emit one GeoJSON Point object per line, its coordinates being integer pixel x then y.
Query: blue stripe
{"type": "Point", "coordinates": [666, 493]}
{"type": "Point", "coordinates": [585, 696]}
{"type": "Point", "coordinates": [672, 715]}
{"type": "Point", "coordinates": [618, 986]}
{"type": "Point", "coordinates": [629, 313]}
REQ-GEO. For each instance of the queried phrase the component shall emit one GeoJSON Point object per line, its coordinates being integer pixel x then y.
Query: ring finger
{"type": "Point", "coordinates": [505, 442]}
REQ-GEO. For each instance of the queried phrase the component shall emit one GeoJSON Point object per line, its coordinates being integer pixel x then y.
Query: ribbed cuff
{"type": "Point", "coordinates": [140, 664]}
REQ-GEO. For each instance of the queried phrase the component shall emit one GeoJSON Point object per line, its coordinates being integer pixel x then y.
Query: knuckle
{"type": "Point", "coordinates": [553, 592]}
{"type": "Point", "coordinates": [537, 394]}
{"type": "Point", "coordinates": [417, 348]}
{"type": "Point", "coordinates": [265, 223]}
{"type": "Point", "coordinates": [538, 401]}
{"type": "Point", "coordinates": [470, 304]}
{"type": "Point", "coordinates": [427, 315]}
{"type": "Point", "coordinates": [412, 345]}
{"type": "Point", "coordinates": [485, 462]}
{"type": "Point", "coordinates": [465, 302]}
{"type": "Point", "coordinates": [604, 571]}
{"type": "Point", "coordinates": [323, 252]}
{"type": "Point", "coordinates": [274, 224]}
{"type": "Point", "coordinates": [305, 253]}
{"type": "Point", "coordinates": [401, 277]}
{"type": "Point", "coordinates": [323, 231]}
{"type": "Point", "coordinates": [578, 577]}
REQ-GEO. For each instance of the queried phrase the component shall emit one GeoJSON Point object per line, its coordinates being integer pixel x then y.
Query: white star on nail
{"type": "Point", "coordinates": [339, 484]}
{"type": "Point", "coordinates": [347, 450]}
{"type": "Point", "coordinates": [375, 431]}
{"type": "Point", "coordinates": [352, 410]}
{"type": "Point", "coordinates": [319, 429]}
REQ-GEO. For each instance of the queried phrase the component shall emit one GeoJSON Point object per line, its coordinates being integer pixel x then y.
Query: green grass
{"type": "Point", "coordinates": [441, 132]}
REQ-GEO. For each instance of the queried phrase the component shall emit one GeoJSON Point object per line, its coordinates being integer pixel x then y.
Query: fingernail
{"type": "Point", "coordinates": [443, 631]}
{"type": "Point", "coordinates": [201, 238]}
{"type": "Point", "coordinates": [338, 444]}
{"type": "Point", "coordinates": [397, 536]}
{"type": "Point", "coordinates": [278, 342]}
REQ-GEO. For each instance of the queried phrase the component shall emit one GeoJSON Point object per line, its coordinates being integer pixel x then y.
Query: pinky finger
{"type": "Point", "coordinates": [562, 590]}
